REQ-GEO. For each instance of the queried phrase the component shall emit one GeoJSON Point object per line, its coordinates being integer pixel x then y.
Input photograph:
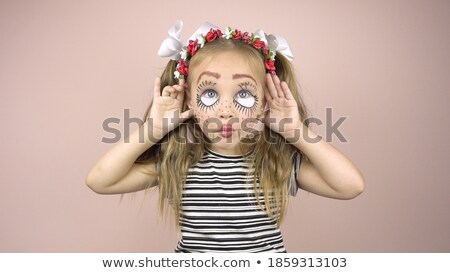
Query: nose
{"type": "Point", "coordinates": [226, 115]}
{"type": "Point", "coordinates": [225, 111]}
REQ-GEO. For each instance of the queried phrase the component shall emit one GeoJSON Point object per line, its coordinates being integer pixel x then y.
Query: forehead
{"type": "Point", "coordinates": [227, 65]}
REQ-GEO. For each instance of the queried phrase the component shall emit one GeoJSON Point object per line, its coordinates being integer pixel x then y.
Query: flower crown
{"type": "Point", "coordinates": [267, 45]}
{"type": "Point", "coordinates": [193, 46]}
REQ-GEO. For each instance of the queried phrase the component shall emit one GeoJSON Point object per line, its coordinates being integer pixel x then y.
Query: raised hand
{"type": "Point", "coordinates": [165, 114]}
{"type": "Point", "coordinates": [282, 115]}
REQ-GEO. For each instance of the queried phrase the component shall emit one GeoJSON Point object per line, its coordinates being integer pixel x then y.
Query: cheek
{"type": "Point", "coordinates": [261, 106]}
{"type": "Point", "coordinates": [202, 117]}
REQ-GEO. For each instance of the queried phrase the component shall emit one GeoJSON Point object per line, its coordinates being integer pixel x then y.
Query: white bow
{"type": "Point", "coordinates": [172, 45]}
{"type": "Point", "coordinates": [276, 43]}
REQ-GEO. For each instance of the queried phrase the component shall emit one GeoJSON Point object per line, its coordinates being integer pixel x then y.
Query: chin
{"type": "Point", "coordinates": [228, 144]}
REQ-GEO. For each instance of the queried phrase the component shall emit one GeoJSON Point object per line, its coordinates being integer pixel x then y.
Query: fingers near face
{"type": "Point", "coordinates": [277, 88]}
{"type": "Point", "coordinates": [272, 91]}
{"type": "Point", "coordinates": [286, 90]}
{"type": "Point", "coordinates": [175, 91]}
{"type": "Point", "coordinates": [277, 83]}
{"type": "Point", "coordinates": [157, 87]}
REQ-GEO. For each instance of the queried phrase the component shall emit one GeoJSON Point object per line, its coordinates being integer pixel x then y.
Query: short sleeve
{"type": "Point", "coordinates": [296, 161]}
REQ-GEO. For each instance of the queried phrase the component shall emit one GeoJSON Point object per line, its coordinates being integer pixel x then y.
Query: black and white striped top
{"type": "Point", "coordinates": [220, 212]}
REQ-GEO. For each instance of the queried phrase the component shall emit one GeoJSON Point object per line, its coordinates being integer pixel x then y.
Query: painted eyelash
{"type": "Point", "coordinates": [247, 110]}
{"type": "Point", "coordinates": [202, 106]}
{"type": "Point", "coordinates": [246, 85]}
{"type": "Point", "coordinates": [203, 86]}
{"type": "Point", "coordinates": [249, 87]}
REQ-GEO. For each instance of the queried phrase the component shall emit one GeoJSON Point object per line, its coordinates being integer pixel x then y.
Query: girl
{"type": "Point", "coordinates": [224, 140]}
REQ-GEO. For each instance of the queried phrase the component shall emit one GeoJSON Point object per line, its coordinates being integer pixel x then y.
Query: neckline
{"type": "Point", "coordinates": [225, 155]}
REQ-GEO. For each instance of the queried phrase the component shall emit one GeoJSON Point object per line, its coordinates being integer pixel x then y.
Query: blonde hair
{"type": "Point", "coordinates": [184, 146]}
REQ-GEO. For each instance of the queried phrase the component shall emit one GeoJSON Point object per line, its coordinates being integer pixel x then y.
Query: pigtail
{"type": "Point", "coordinates": [153, 152]}
{"type": "Point", "coordinates": [174, 154]}
{"type": "Point", "coordinates": [274, 167]}
{"type": "Point", "coordinates": [285, 71]}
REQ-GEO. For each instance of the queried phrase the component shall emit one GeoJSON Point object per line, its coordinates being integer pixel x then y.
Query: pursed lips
{"type": "Point", "coordinates": [226, 131]}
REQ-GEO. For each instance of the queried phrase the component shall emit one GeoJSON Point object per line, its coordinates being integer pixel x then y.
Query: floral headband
{"type": "Point", "coordinates": [172, 47]}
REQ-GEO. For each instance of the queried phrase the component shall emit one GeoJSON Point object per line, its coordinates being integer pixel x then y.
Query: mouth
{"type": "Point", "coordinates": [226, 130]}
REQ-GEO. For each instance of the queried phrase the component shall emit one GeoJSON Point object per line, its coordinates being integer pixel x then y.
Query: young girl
{"type": "Point", "coordinates": [226, 140]}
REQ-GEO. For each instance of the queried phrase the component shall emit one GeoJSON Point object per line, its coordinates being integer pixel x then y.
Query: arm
{"type": "Point", "coordinates": [327, 172]}
{"type": "Point", "coordinates": [116, 172]}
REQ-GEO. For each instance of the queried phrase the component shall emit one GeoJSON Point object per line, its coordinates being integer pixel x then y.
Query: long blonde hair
{"type": "Point", "coordinates": [184, 146]}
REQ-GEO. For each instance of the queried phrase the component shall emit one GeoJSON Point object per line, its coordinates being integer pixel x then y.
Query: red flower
{"type": "Point", "coordinates": [219, 33]}
{"type": "Point", "coordinates": [237, 34]}
{"type": "Point", "coordinates": [213, 34]}
{"type": "Point", "coordinates": [246, 38]}
{"type": "Point", "coordinates": [183, 67]}
{"type": "Point", "coordinates": [192, 47]}
{"type": "Point", "coordinates": [258, 44]}
{"type": "Point", "coordinates": [270, 66]}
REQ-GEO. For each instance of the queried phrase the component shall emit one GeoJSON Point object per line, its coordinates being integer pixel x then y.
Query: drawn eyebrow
{"type": "Point", "coordinates": [208, 73]}
{"type": "Point", "coordinates": [217, 76]}
{"type": "Point", "coordinates": [238, 76]}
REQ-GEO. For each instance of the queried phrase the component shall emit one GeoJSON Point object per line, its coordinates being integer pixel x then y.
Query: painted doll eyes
{"type": "Point", "coordinates": [244, 100]}
{"type": "Point", "coordinates": [208, 98]}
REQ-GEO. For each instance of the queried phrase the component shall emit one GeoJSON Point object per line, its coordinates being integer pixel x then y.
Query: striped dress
{"type": "Point", "coordinates": [220, 212]}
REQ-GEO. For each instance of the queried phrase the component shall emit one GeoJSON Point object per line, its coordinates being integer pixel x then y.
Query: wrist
{"type": "Point", "coordinates": [294, 133]}
{"type": "Point", "coordinates": [152, 134]}
{"type": "Point", "coordinates": [301, 136]}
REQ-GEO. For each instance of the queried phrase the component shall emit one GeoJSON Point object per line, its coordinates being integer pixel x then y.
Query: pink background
{"type": "Point", "coordinates": [66, 66]}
